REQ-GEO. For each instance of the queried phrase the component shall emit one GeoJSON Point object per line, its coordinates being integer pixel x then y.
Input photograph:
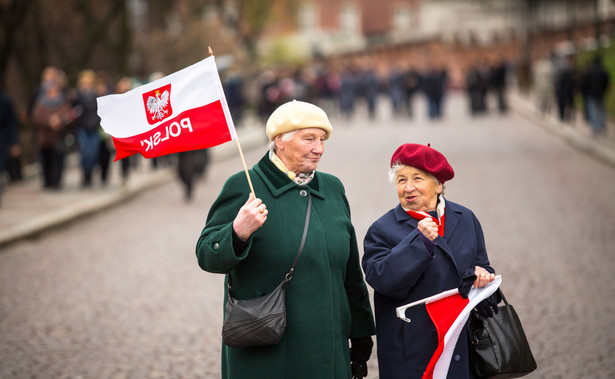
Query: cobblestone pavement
{"type": "Point", "coordinates": [119, 294]}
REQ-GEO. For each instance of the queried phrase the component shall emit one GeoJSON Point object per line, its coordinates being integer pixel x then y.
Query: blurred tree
{"type": "Point", "coordinates": [72, 35]}
{"type": "Point", "coordinates": [251, 18]}
{"type": "Point", "coordinates": [127, 37]}
{"type": "Point", "coordinates": [12, 16]}
{"type": "Point", "coordinates": [176, 34]}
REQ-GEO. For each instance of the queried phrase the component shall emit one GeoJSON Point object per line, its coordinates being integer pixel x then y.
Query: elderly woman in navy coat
{"type": "Point", "coordinates": [423, 246]}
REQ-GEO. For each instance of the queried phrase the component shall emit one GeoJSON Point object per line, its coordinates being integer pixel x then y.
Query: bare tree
{"type": "Point", "coordinates": [12, 16]}
{"type": "Point", "coordinates": [72, 35]}
{"type": "Point", "coordinates": [250, 18]}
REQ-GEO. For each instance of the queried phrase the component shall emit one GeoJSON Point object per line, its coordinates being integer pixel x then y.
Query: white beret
{"type": "Point", "coordinates": [296, 115]}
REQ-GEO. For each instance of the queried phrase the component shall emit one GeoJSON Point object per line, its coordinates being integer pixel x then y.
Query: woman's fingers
{"type": "Point", "coordinates": [483, 277]}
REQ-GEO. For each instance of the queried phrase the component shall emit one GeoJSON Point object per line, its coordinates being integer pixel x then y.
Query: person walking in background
{"type": "Point", "coordinates": [411, 84]}
{"type": "Point", "coordinates": [269, 93]}
{"type": "Point", "coordinates": [369, 88]}
{"type": "Point", "coordinates": [423, 246]}
{"type": "Point", "coordinates": [51, 115]}
{"type": "Point", "coordinates": [349, 83]}
{"type": "Point", "coordinates": [234, 90]}
{"type": "Point", "coordinates": [186, 171]}
{"type": "Point", "coordinates": [595, 84]}
{"type": "Point", "coordinates": [10, 145]}
{"type": "Point", "coordinates": [566, 85]}
{"type": "Point", "coordinates": [543, 79]}
{"type": "Point", "coordinates": [87, 125]}
{"type": "Point", "coordinates": [396, 90]}
{"type": "Point", "coordinates": [9, 136]}
{"type": "Point", "coordinates": [255, 240]}
{"type": "Point", "coordinates": [434, 86]}
{"type": "Point", "coordinates": [497, 80]}
{"type": "Point", "coordinates": [190, 166]}
{"type": "Point", "coordinates": [476, 87]}
{"type": "Point", "coordinates": [331, 90]}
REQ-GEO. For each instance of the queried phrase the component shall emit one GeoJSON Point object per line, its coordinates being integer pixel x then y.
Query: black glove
{"type": "Point", "coordinates": [360, 351]}
{"type": "Point", "coordinates": [488, 307]}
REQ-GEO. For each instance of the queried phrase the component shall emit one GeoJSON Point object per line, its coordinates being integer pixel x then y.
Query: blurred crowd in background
{"type": "Point", "coordinates": [558, 82]}
{"type": "Point", "coordinates": [62, 119]}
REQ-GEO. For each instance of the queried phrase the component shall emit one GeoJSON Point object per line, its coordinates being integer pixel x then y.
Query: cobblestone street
{"type": "Point", "coordinates": [119, 294]}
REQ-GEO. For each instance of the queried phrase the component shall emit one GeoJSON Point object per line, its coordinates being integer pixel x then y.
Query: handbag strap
{"type": "Point", "coordinates": [503, 297]}
{"type": "Point", "coordinates": [289, 275]}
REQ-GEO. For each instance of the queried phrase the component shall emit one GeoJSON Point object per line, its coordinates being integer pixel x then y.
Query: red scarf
{"type": "Point", "coordinates": [439, 221]}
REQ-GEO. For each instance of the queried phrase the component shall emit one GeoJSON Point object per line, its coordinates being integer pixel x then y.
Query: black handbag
{"type": "Point", "coordinates": [498, 347]}
{"type": "Point", "coordinates": [260, 321]}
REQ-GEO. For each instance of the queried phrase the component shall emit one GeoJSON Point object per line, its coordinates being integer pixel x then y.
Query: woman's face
{"type": "Point", "coordinates": [417, 190]}
{"type": "Point", "coordinates": [303, 151]}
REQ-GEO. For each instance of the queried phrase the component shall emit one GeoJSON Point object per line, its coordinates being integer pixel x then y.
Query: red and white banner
{"type": "Point", "coordinates": [449, 312]}
{"type": "Point", "coordinates": [186, 110]}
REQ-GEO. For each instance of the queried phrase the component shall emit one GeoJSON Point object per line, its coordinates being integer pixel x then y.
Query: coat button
{"type": "Point", "coordinates": [303, 193]}
{"type": "Point", "coordinates": [456, 357]}
{"type": "Point", "coordinates": [216, 246]}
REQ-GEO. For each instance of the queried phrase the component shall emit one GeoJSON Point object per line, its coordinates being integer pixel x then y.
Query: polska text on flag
{"type": "Point", "coordinates": [183, 111]}
{"type": "Point", "coordinates": [449, 312]}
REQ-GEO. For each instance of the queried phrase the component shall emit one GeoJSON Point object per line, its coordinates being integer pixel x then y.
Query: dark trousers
{"type": "Point", "coordinates": [104, 157]}
{"type": "Point", "coordinates": [191, 165]}
{"type": "Point", "coordinates": [52, 162]}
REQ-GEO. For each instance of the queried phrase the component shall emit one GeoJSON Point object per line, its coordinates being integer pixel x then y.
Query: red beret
{"type": "Point", "coordinates": [424, 158]}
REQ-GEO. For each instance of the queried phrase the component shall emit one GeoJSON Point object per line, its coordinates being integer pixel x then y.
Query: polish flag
{"type": "Point", "coordinates": [449, 312]}
{"type": "Point", "coordinates": [186, 110]}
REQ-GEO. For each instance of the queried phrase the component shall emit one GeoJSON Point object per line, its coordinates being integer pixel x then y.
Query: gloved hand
{"type": "Point", "coordinates": [488, 307]}
{"type": "Point", "coordinates": [360, 351]}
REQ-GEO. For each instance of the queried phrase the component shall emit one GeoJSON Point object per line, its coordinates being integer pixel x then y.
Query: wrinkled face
{"type": "Point", "coordinates": [417, 190]}
{"type": "Point", "coordinates": [303, 151]}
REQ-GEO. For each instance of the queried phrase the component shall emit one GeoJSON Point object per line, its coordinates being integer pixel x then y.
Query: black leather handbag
{"type": "Point", "coordinates": [260, 321]}
{"type": "Point", "coordinates": [498, 347]}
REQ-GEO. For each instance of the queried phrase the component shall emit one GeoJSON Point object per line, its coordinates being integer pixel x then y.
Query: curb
{"type": "Point", "coordinates": [250, 138]}
{"type": "Point", "coordinates": [91, 205]}
{"type": "Point", "coordinates": [570, 134]}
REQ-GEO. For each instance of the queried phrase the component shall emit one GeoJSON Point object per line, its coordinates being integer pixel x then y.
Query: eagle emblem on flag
{"type": "Point", "coordinates": [158, 104]}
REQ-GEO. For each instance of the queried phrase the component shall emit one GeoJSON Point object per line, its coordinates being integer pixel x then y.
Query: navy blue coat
{"type": "Point", "coordinates": [401, 270]}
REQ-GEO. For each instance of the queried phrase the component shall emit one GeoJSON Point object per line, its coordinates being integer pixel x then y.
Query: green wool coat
{"type": "Point", "coordinates": [327, 301]}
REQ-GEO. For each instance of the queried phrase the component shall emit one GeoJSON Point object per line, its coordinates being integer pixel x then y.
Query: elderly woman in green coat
{"type": "Point", "coordinates": [254, 240]}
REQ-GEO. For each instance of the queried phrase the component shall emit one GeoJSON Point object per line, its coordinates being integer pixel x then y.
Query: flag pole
{"type": "Point", "coordinates": [243, 161]}
{"type": "Point", "coordinates": [245, 168]}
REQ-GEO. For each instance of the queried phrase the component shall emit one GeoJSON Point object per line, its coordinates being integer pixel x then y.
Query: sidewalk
{"type": "Point", "coordinates": [577, 133]}
{"type": "Point", "coordinates": [27, 209]}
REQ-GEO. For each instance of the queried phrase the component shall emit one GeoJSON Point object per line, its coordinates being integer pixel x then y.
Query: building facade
{"type": "Point", "coordinates": [454, 33]}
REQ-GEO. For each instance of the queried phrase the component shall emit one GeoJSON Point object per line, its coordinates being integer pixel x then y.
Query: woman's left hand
{"type": "Point", "coordinates": [483, 277]}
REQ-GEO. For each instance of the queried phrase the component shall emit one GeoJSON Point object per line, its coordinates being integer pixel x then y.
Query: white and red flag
{"type": "Point", "coordinates": [183, 111]}
{"type": "Point", "coordinates": [449, 312]}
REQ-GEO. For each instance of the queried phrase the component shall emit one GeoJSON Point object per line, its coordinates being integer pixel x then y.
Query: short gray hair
{"type": "Point", "coordinates": [285, 137]}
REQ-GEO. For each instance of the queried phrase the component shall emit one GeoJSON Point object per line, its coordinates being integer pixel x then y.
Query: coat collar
{"type": "Point", "coordinates": [279, 183]}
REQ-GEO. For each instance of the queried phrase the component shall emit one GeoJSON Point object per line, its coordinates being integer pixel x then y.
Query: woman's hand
{"type": "Point", "coordinates": [483, 277]}
{"type": "Point", "coordinates": [250, 217]}
{"type": "Point", "coordinates": [55, 121]}
{"type": "Point", "coordinates": [429, 228]}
